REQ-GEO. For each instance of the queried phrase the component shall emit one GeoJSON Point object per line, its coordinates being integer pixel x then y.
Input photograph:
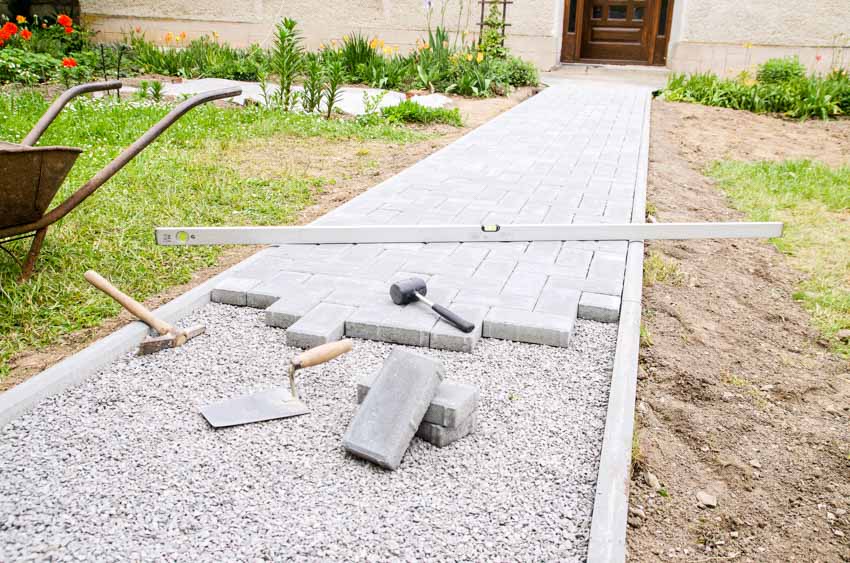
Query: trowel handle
{"type": "Point", "coordinates": [321, 354]}
{"type": "Point", "coordinates": [128, 302]}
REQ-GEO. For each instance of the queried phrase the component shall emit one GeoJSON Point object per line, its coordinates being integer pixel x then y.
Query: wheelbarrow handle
{"type": "Point", "coordinates": [60, 102]}
{"type": "Point", "coordinates": [126, 156]}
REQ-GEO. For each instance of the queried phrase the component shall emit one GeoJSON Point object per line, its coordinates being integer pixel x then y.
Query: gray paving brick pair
{"type": "Point", "coordinates": [495, 298]}
{"type": "Point", "coordinates": [233, 291]}
{"type": "Point", "coordinates": [323, 323]}
{"type": "Point", "coordinates": [390, 415]}
{"type": "Point", "coordinates": [282, 284]}
{"type": "Point", "coordinates": [453, 403]}
{"type": "Point", "coordinates": [529, 326]}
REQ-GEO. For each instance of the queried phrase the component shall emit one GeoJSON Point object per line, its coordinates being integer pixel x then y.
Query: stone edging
{"type": "Point", "coordinates": [607, 542]}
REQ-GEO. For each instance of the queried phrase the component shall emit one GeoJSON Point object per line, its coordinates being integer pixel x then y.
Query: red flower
{"type": "Point", "coordinates": [64, 21]}
{"type": "Point", "coordinates": [69, 30]}
{"type": "Point", "coordinates": [10, 29]}
{"type": "Point", "coordinates": [69, 62]}
{"type": "Point", "coordinates": [818, 58]}
{"type": "Point", "coordinates": [26, 34]}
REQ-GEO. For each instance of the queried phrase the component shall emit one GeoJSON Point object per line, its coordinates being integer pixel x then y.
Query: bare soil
{"type": "Point", "coordinates": [350, 166]}
{"type": "Point", "coordinates": [737, 395]}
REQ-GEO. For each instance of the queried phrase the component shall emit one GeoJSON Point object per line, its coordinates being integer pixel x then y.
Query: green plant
{"type": "Point", "coordinates": [372, 108]}
{"type": "Point", "coordinates": [18, 65]}
{"type": "Point", "coordinates": [311, 97]}
{"type": "Point", "coordinates": [492, 41]}
{"type": "Point", "coordinates": [776, 71]}
{"type": "Point", "coordinates": [814, 96]}
{"type": "Point", "coordinates": [356, 54]}
{"type": "Point", "coordinates": [334, 75]}
{"type": "Point", "coordinates": [156, 91]}
{"type": "Point", "coordinates": [287, 60]}
{"type": "Point", "coordinates": [411, 112]}
{"type": "Point", "coordinates": [515, 72]}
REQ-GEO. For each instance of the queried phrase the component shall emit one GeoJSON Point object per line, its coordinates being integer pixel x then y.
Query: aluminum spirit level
{"type": "Point", "coordinates": [364, 234]}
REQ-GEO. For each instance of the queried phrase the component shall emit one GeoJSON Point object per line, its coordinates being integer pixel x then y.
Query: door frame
{"type": "Point", "coordinates": [657, 44]}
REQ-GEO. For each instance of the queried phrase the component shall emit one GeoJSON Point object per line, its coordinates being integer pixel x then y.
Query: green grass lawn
{"type": "Point", "coordinates": [813, 201]}
{"type": "Point", "coordinates": [177, 180]}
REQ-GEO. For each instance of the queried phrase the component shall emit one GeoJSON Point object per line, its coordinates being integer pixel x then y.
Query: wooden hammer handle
{"type": "Point", "coordinates": [128, 303]}
{"type": "Point", "coordinates": [321, 354]}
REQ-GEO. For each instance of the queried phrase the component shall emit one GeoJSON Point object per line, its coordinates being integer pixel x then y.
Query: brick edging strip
{"type": "Point", "coordinates": [607, 543]}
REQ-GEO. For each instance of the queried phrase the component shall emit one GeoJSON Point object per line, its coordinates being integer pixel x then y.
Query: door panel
{"type": "Point", "coordinates": [616, 30]}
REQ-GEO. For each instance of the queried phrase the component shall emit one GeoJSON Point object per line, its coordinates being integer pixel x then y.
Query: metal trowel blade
{"type": "Point", "coordinates": [257, 407]}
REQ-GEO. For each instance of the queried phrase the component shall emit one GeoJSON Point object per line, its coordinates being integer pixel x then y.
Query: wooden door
{"type": "Point", "coordinates": [617, 30]}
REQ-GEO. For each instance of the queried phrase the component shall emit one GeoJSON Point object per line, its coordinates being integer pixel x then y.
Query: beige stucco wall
{"type": "Point", "coordinates": [729, 36]}
{"type": "Point", "coordinates": [534, 33]}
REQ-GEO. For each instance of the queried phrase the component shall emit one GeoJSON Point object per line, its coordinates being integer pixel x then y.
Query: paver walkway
{"type": "Point", "coordinates": [571, 154]}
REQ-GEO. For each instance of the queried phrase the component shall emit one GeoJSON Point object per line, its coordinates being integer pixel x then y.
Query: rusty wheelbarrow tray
{"type": "Point", "coordinates": [30, 176]}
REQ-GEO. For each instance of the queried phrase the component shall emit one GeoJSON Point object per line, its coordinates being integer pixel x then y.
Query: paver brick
{"type": "Point", "coordinates": [441, 436]}
{"type": "Point", "coordinates": [526, 326]}
{"type": "Point", "coordinates": [232, 291]}
{"type": "Point", "coordinates": [390, 414]}
{"type": "Point", "coordinates": [323, 323]}
{"type": "Point", "coordinates": [445, 336]}
{"type": "Point", "coordinates": [281, 285]}
{"type": "Point", "coordinates": [599, 307]}
{"type": "Point", "coordinates": [563, 302]}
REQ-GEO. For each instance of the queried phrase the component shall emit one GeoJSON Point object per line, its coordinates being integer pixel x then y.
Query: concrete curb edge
{"type": "Point", "coordinates": [74, 369]}
{"type": "Point", "coordinates": [607, 543]}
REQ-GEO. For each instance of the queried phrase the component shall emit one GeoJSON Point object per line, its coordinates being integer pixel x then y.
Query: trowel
{"type": "Point", "coordinates": [273, 403]}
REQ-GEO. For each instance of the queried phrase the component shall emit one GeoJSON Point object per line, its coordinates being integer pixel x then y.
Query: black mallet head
{"type": "Point", "coordinates": [404, 291]}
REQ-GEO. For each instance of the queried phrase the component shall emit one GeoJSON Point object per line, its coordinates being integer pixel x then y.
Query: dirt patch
{"type": "Point", "coordinates": [737, 396]}
{"type": "Point", "coordinates": [351, 167]}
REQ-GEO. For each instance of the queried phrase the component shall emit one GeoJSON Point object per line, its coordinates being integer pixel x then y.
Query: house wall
{"type": "Point", "coordinates": [729, 36]}
{"type": "Point", "coordinates": [534, 33]}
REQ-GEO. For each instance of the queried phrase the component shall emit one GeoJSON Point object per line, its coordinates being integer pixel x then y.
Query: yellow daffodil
{"type": "Point", "coordinates": [373, 43]}
{"type": "Point", "coordinates": [469, 56]}
{"type": "Point", "coordinates": [183, 36]}
{"type": "Point", "coordinates": [215, 34]}
{"type": "Point", "coordinates": [479, 57]}
{"type": "Point", "coordinates": [748, 45]}
{"type": "Point", "coordinates": [321, 46]}
{"type": "Point", "coordinates": [381, 43]}
{"type": "Point", "coordinates": [169, 37]}
{"type": "Point", "coordinates": [21, 19]}
{"type": "Point", "coordinates": [345, 37]}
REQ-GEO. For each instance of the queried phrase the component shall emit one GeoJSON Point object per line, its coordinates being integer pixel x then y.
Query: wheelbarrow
{"type": "Point", "coordinates": [30, 176]}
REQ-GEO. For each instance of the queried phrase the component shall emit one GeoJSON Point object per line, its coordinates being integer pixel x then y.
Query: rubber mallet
{"type": "Point", "coordinates": [170, 336]}
{"type": "Point", "coordinates": [414, 289]}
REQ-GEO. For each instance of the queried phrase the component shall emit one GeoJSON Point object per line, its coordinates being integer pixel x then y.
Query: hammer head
{"type": "Point", "coordinates": [170, 340]}
{"type": "Point", "coordinates": [404, 291]}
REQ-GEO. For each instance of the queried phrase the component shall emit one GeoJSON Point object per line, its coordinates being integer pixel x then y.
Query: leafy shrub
{"type": "Point", "coordinates": [492, 34]}
{"type": "Point", "coordinates": [334, 76]}
{"type": "Point", "coordinates": [356, 54]}
{"type": "Point", "coordinates": [18, 65]}
{"type": "Point", "coordinates": [411, 112]}
{"type": "Point", "coordinates": [516, 72]}
{"type": "Point", "coordinates": [777, 71]}
{"type": "Point", "coordinates": [815, 96]}
{"type": "Point", "coordinates": [311, 98]}
{"type": "Point", "coordinates": [200, 58]}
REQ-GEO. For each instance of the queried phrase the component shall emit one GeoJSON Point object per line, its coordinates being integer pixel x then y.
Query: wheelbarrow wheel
{"type": "Point", "coordinates": [29, 264]}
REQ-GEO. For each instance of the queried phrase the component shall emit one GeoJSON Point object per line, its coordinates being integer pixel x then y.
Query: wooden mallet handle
{"type": "Point", "coordinates": [321, 354]}
{"type": "Point", "coordinates": [129, 303]}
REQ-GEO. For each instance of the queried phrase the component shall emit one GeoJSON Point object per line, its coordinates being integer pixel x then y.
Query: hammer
{"type": "Point", "coordinates": [414, 289]}
{"type": "Point", "coordinates": [170, 336]}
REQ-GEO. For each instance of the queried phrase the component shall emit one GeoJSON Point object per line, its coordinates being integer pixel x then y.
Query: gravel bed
{"type": "Point", "coordinates": [124, 467]}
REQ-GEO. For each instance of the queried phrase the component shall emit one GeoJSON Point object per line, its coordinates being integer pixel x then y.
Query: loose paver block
{"type": "Point", "coordinates": [531, 327]}
{"type": "Point", "coordinates": [390, 414]}
{"type": "Point", "coordinates": [233, 291]}
{"type": "Point", "coordinates": [324, 323]}
{"type": "Point", "coordinates": [453, 403]}
{"type": "Point", "coordinates": [599, 307]}
{"type": "Point", "coordinates": [441, 436]}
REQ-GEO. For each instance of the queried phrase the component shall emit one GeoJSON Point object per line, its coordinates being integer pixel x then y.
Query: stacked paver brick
{"type": "Point", "coordinates": [567, 155]}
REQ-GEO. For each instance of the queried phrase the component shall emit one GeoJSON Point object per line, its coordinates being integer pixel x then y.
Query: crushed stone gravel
{"type": "Point", "coordinates": [123, 466]}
